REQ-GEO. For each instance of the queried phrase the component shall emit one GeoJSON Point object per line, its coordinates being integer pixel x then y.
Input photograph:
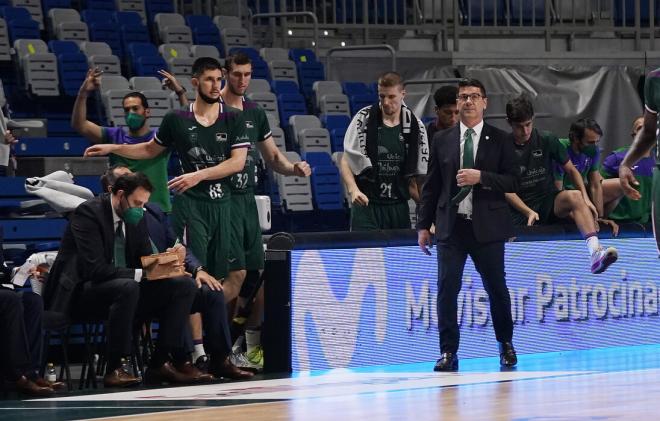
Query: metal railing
{"type": "Point", "coordinates": [386, 47]}
{"type": "Point", "coordinates": [451, 20]}
{"type": "Point", "coordinates": [312, 16]}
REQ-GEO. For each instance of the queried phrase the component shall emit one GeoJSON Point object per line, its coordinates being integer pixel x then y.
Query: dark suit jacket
{"type": "Point", "coordinates": [162, 235]}
{"type": "Point", "coordinates": [490, 213]}
{"type": "Point", "coordinates": [86, 252]}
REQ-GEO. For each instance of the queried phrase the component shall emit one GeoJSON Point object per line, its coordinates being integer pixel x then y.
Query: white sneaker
{"type": "Point", "coordinates": [240, 360]}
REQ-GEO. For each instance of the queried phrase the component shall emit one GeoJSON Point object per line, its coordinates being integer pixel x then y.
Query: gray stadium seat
{"type": "Point", "coordinates": [295, 192]}
{"type": "Point", "coordinates": [66, 25]}
{"type": "Point", "coordinates": [335, 104]}
{"type": "Point", "coordinates": [273, 119]}
{"type": "Point", "coordinates": [270, 54]}
{"type": "Point", "coordinates": [145, 83]}
{"type": "Point", "coordinates": [5, 48]}
{"type": "Point", "coordinates": [113, 82]}
{"type": "Point", "coordinates": [159, 105]}
{"type": "Point", "coordinates": [258, 85]}
{"type": "Point", "coordinates": [100, 55]}
{"type": "Point", "coordinates": [34, 7]}
{"type": "Point", "coordinates": [112, 104]}
{"type": "Point", "coordinates": [283, 70]}
{"type": "Point", "coordinates": [172, 28]}
{"type": "Point", "coordinates": [224, 22]}
{"type": "Point", "coordinates": [314, 140]}
{"type": "Point", "coordinates": [235, 37]}
{"type": "Point", "coordinates": [326, 87]}
{"type": "Point", "coordinates": [278, 138]}
{"type": "Point", "coordinates": [300, 122]}
{"type": "Point", "coordinates": [39, 67]}
{"type": "Point", "coordinates": [178, 58]}
{"type": "Point", "coordinates": [204, 51]}
{"type": "Point", "coordinates": [185, 82]}
{"type": "Point", "coordinates": [267, 101]}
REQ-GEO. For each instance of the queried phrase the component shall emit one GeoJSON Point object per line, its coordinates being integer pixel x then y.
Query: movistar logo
{"type": "Point", "coordinates": [337, 321]}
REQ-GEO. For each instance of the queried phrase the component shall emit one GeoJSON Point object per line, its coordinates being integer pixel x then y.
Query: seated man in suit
{"type": "Point", "coordinates": [98, 275]}
{"type": "Point", "coordinates": [209, 298]}
{"type": "Point", "coordinates": [20, 329]}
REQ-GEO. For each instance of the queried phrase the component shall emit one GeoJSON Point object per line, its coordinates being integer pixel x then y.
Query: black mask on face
{"type": "Point", "coordinates": [207, 98]}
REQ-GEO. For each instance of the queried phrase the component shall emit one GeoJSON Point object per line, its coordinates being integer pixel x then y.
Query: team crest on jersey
{"type": "Point", "coordinates": [249, 124]}
{"type": "Point", "coordinates": [221, 137]}
{"type": "Point", "coordinates": [537, 153]}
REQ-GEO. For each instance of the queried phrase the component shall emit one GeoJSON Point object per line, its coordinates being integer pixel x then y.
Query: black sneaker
{"type": "Point", "coordinates": [202, 363]}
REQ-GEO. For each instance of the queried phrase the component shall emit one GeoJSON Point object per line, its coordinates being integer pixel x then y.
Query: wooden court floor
{"type": "Point", "coordinates": [602, 384]}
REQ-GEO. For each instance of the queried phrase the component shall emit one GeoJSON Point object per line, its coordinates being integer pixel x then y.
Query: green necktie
{"type": "Point", "coordinates": [468, 162]}
{"type": "Point", "coordinates": [120, 247]}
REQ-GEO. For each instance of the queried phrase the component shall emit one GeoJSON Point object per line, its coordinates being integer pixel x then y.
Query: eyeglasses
{"type": "Point", "coordinates": [474, 97]}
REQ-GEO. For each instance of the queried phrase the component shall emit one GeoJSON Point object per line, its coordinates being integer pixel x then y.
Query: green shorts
{"type": "Point", "coordinates": [655, 207]}
{"type": "Point", "coordinates": [206, 230]}
{"type": "Point", "coordinates": [247, 250]}
{"type": "Point", "coordinates": [545, 207]}
{"type": "Point", "coordinates": [380, 216]}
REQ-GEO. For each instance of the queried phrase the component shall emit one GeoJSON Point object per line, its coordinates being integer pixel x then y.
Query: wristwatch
{"type": "Point", "coordinates": [197, 269]}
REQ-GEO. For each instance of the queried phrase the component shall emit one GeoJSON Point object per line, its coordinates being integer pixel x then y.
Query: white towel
{"type": "Point", "coordinates": [58, 190]}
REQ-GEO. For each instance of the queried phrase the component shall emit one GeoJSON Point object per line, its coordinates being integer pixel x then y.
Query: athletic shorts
{"type": "Point", "coordinates": [545, 207]}
{"type": "Point", "coordinates": [247, 250]}
{"type": "Point", "coordinates": [380, 216]}
{"type": "Point", "coordinates": [206, 230]}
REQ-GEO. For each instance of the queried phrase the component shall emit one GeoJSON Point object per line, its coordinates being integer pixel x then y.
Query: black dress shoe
{"type": "Point", "coordinates": [448, 362]}
{"type": "Point", "coordinates": [120, 378]}
{"type": "Point", "coordinates": [508, 356]}
{"type": "Point", "coordinates": [167, 373]}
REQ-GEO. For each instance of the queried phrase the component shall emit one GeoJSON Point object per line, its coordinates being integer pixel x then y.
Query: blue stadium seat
{"type": "Point", "coordinates": [360, 101]}
{"type": "Point", "coordinates": [92, 182]}
{"type": "Point", "coordinates": [153, 7]}
{"type": "Point", "coordinates": [308, 73]}
{"type": "Point", "coordinates": [284, 87]}
{"type": "Point", "coordinates": [355, 88]}
{"type": "Point", "coordinates": [145, 59]}
{"type": "Point", "coordinates": [336, 125]}
{"type": "Point", "coordinates": [11, 195]}
{"type": "Point", "coordinates": [102, 28]}
{"type": "Point", "coordinates": [19, 23]}
{"type": "Point", "coordinates": [290, 104]}
{"type": "Point", "coordinates": [53, 4]}
{"type": "Point", "coordinates": [71, 65]}
{"type": "Point", "coordinates": [131, 29]}
{"type": "Point", "coordinates": [33, 229]}
{"type": "Point", "coordinates": [204, 31]}
{"type": "Point", "coordinates": [624, 12]}
{"type": "Point", "coordinates": [533, 12]}
{"type": "Point", "coordinates": [107, 5]}
{"type": "Point", "coordinates": [41, 146]}
{"type": "Point", "coordinates": [493, 10]}
{"type": "Point", "coordinates": [326, 188]}
{"type": "Point", "coordinates": [302, 55]}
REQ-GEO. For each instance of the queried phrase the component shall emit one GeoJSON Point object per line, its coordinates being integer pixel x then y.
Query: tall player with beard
{"type": "Point", "coordinates": [212, 144]}
{"type": "Point", "coordinates": [246, 256]}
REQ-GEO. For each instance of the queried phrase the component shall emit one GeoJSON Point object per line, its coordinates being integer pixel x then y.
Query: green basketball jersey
{"type": "Point", "coordinates": [390, 185]}
{"type": "Point", "coordinates": [202, 147]}
{"type": "Point", "coordinates": [652, 103]}
{"type": "Point", "coordinates": [257, 130]}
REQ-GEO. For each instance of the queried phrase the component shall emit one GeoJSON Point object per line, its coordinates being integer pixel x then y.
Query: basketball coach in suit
{"type": "Point", "coordinates": [471, 167]}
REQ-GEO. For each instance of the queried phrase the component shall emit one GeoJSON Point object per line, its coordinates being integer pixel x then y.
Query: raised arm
{"type": "Point", "coordinates": [170, 82]}
{"type": "Point", "coordinates": [93, 132]}
{"type": "Point", "coordinates": [145, 150]}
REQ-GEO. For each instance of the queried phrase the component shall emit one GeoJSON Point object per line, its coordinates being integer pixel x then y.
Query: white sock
{"type": "Point", "coordinates": [198, 351]}
{"type": "Point", "coordinates": [252, 339]}
{"type": "Point", "coordinates": [592, 244]}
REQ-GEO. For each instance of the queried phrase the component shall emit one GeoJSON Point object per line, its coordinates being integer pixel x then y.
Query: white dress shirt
{"type": "Point", "coordinates": [115, 222]}
{"type": "Point", "coordinates": [465, 206]}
